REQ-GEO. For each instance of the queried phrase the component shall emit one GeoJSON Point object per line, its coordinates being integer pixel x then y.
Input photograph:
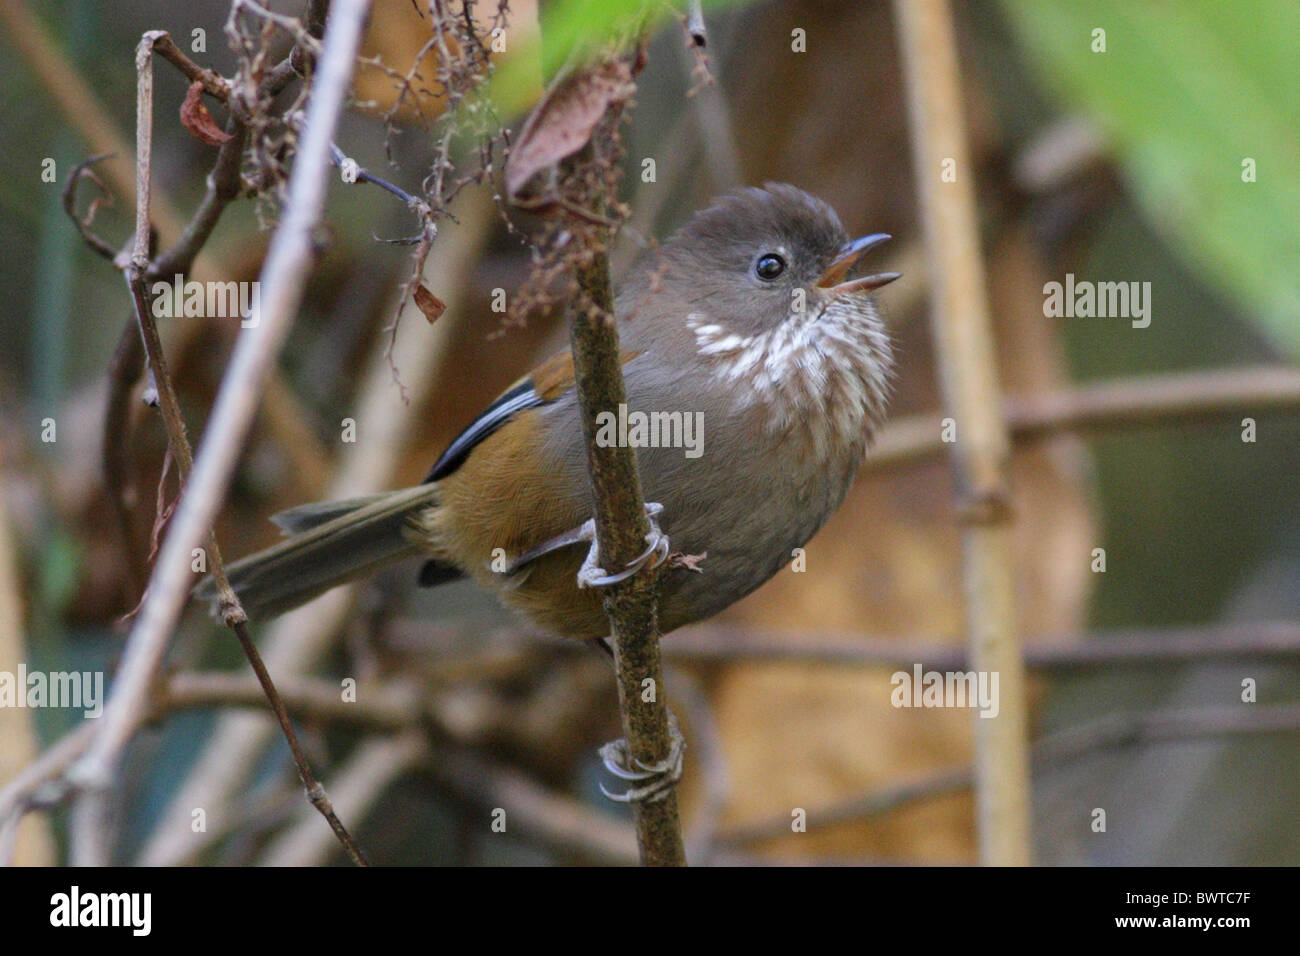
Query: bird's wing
{"type": "Point", "coordinates": [510, 403]}
{"type": "Point", "coordinates": [543, 385]}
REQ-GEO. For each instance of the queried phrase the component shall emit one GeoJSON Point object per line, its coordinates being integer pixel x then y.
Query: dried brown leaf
{"type": "Point", "coordinates": [564, 121]}
{"type": "Point", "coordinates": [429, 304]}
{"type": "Point", "coordinates": [197, 119]}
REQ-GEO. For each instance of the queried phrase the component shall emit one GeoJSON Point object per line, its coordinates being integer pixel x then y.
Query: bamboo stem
{"type": "Point", "coordinates": [968, 371]}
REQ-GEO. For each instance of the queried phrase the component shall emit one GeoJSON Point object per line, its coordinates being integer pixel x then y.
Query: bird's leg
{"type": "Point", "coordinates": [592, 575]}
{"type": "Point", "coordinates": [656, 780]}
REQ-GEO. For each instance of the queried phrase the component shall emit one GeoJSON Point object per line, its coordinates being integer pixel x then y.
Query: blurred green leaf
{"type": "Point", "coordinates": [1186, 92]}
{"type": "Point", "coordinates": [572, 29]}
{"type": "Point", "coordinates": [59, 569]}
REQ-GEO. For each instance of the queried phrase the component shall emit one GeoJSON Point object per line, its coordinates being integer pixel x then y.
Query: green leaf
{"type": "Point", "coordinates": [572, 29]}
{"type": "Point", "coordinates": [1186, 92]}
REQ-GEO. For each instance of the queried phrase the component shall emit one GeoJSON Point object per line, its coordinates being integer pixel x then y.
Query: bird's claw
{"type": "Point", "coordinates": [592, 575]}
{"type": "Point", "coordinates": [661, 776]}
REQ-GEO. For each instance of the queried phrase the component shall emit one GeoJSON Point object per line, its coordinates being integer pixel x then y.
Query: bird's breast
{"type": "Point", "coordinates": [817, 382]}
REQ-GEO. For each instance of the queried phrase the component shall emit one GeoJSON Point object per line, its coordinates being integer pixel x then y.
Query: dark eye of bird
{"type": "Point", "coordinates": [769, 266]}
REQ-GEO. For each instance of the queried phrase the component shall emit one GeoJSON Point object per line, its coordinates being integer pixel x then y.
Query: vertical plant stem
{"type": "Point", "coordinates": [283, 278]}
{"type": "Point", "coordinates": [968, 370]}
{"type": "Point", "coordinates": [621, 527]}
{"type": "Point", "coordinates": [90, 817]}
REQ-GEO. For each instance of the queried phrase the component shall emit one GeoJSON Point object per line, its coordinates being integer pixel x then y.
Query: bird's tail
{"type": "Point", "coordinates": [329, 544]}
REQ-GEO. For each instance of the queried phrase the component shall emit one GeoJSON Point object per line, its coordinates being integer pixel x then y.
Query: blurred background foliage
{"type": "Point", "coordinates": [1199, 527]}
{"type": "Point", "coordinates": [1193, 95]}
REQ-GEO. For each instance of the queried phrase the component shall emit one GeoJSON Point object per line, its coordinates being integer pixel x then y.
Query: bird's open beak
{"type": "Point", "coordinates": [850, 253]}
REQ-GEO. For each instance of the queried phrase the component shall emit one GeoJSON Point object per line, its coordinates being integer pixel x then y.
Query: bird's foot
{"type": "Point", "coordinates": [592, 575]}
{"type": "Point", "coordinates": [656, 780]}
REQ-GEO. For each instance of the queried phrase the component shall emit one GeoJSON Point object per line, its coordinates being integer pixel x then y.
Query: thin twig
{"type": "Point", "coordinates": [78, 104]}
{"type": "Point", "coordinates": [1052, 654]}
{"type": "Point", "coordinates": [1179, 398]}
{"type": "Point", "coordinates": [621, 530]}
{"type": "Point", "coordinates": [695, 23]}
{"type": "Point", "coordinates": [91, 806]}
{"type": "Point", "coordinates": [90, 843]}
{"type": "Point", "coordinates": [223, 185]}
{"type": "Point", "coordinates": [213, 82]}
{"type": "Point", "coordinates": [1063, 748]}
{"type": "Point", "coordinates": [981, 455]}
{"type": "Point", "coordinates": [293, 643]}
{"type": "Point", "coordinates": [283, 277]}
{"type": "Point", "coordinates": [359, 782]}
{"type": "Point", "coordinates": [83, 169]}
{"type": "Point", "coordinates": [315, 792]}
{"type": "Point", "coordinates": [854, 809]}
{"type": "Point", "coordinates": [389, 707]}
{"type": "Point", "coordinates": [354, 173]}
{"type": "Point", "coordinates": [90, 828]}
{"type": "Point", "coordinates": [722, 643]}
{"type": "Point", "coordinates": [534, 813]}
{"type": "Point", "coordinates": [40, 783]}
{"type": "Point", "coordinates": [291, 26]}
{"type": "Point", "coordinates": [708, 106]}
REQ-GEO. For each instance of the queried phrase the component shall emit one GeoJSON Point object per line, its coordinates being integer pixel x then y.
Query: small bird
{"type": "Point", "coordinates": [743, 329]}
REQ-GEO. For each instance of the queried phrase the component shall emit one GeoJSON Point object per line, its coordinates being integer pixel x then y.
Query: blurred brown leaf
{"type": "Point", "coordinates": [429, 304]}
{"type": "Point", "coordinates": [197, 119]}
{"type": "Point", "coordinates": [564, 122]}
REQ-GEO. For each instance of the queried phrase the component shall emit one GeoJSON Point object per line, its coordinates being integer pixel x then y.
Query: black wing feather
{"type": "Point", "coordinates": [522, 396]}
